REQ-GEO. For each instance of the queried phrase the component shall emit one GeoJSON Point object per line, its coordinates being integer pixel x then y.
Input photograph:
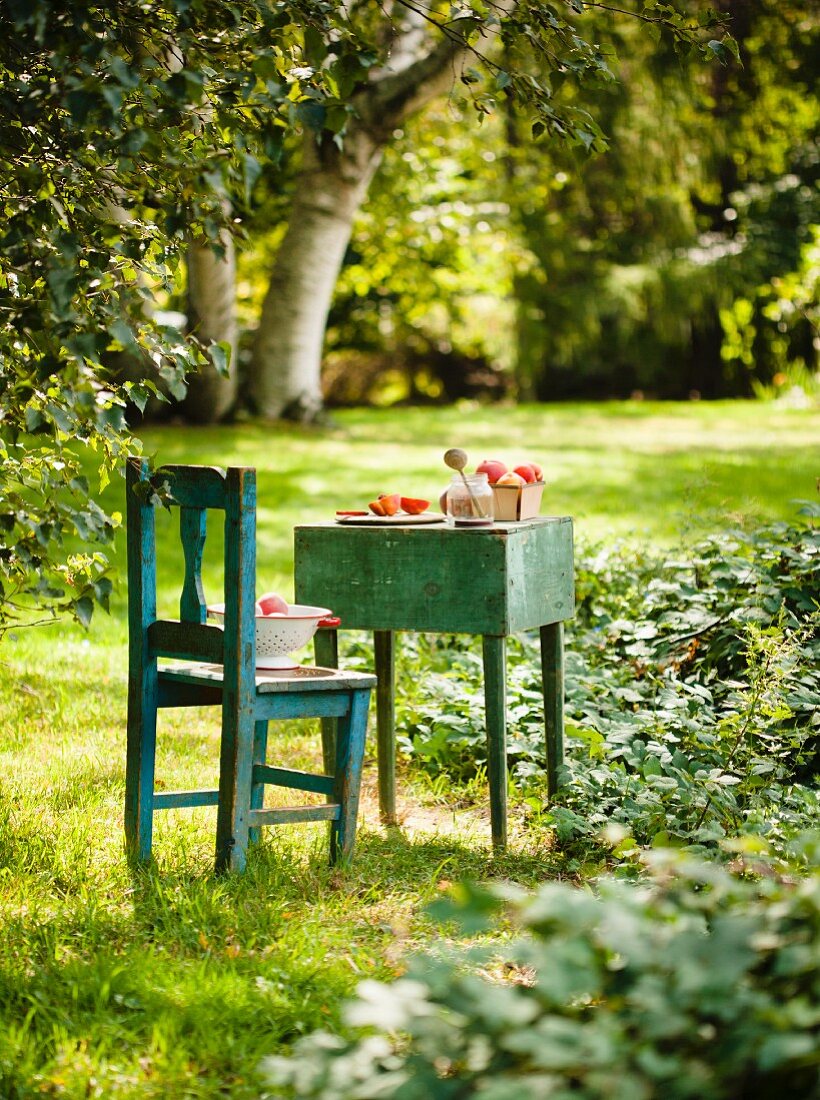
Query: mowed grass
{"type": "Point", "coordinates": [171, 983]}
{"type": "Point", "coordinates": [624, 468]}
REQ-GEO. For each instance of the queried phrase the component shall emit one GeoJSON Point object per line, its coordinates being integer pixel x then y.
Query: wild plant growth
{"type": "Point", "coordinates": [698, 985]}
{"type": "Point", "coordinates": [693, 697]}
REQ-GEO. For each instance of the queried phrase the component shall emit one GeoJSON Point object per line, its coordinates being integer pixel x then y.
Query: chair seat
{"type": "Point", "coordinates": [304, 678]}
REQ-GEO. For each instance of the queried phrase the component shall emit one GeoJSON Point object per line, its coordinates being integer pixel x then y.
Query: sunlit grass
{"type": "Point", "coordinates": [644, 470]}
{"type": "Point", "coordinates": [170, 983]}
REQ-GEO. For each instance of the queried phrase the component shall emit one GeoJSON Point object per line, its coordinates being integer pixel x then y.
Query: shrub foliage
{"type": "Point", "coordinates": [693, 692]}
{"type": "Point", "coordinates": [693, 696]}
{"type": "Point", "coordinates": [698, 984]}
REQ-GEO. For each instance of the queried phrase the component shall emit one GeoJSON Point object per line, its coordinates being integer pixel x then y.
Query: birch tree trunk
{"type": "Point", "coordinates": [212, 318]}
{"type": "Point", "coordinates": [286, 369]}
{"type": "Point", "coordinates": [287, 356]}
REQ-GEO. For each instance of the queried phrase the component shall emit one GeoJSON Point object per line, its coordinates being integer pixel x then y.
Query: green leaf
{"type": "Point", "coordinates": [61, 417]}
{"type": "Point", "coordinates": [129, 78]}
{"type": "Point", "coordinates": [220, 354]}
{"type": "Point", "coordinates": [84, 610]}
{"type": "Point", "coordinates": [315, 46]}
{"type": "Point", "coordinates": [310, 114]}
{"type": "Point", "coordinates": [252, 171]}
{"type": "Point", "coordinates": [62, 282]}
{"type": "Point", "coordinates": [111, 417]}
{"type": "Point", "coordinates": [34, 419]}
{"type": "Point", "coordinates": [122, 332]}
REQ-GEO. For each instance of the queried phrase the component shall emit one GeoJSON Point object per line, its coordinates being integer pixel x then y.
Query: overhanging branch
{"type": "Point", "coordinates": [393, 96]}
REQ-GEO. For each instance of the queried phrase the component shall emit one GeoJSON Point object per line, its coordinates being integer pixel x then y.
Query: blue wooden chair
{"type": "Point", "coordinates": [218, 668]}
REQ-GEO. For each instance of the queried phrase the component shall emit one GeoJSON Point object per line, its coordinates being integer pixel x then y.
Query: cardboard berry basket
{"type": "Point", "coordinates": [514, 502]}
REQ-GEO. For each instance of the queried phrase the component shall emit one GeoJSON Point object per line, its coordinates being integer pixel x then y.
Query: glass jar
{"type": "Point", "coordinates": [470, 505]}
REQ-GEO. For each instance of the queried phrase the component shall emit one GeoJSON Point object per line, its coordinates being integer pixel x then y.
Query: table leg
{"type": "Point", "coordinates": [552, 673]}
{"type": "Point", "coordinates": [384, 647]}
{"type": "Point", "coordinates": [326, 652]}
{"type": "Point", "coordinates": [495, 703]}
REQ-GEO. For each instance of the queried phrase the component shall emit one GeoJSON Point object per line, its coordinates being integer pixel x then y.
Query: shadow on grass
{"type": "Point", "coordinates": [395, 859]}
{"type": "Point", "coordinates": [169, 974]}
{"type": "Point", "coordinates": [284, 872]}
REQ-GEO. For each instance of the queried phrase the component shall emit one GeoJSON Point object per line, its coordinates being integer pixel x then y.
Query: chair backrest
{"type": "Point", "coordinates": [194, 490]}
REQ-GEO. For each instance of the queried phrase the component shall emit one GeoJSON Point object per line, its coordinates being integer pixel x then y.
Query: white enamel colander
{"type": "Point", "coordinates": [279, 636]}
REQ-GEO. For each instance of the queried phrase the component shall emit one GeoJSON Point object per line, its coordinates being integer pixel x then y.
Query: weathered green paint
{"type": "Point", "coordinates": [293, 779]}
{"type": "Point", "coordinates": [180, 800]}
{"type": "Point", "coordinates": [384, 653]}
{"type": "Point", "coordinates": [326, 652]}
{"type": "Point", "coordinates": [540, 574]}
{"type": "Point", "coordinates": [295, 681]}
{"type": "Point", "coordinates": [239, 684]}
{"type": "Point", "coordinates": [552, 674]}
{"type": "Point", "coordinates": [326, 647]}
{"type": "Point", "coordinates": [192, 529]}
{"type": "Point", "coordinates": [350, 742]}
{"type": "Point", "coordinates": [171, 693]}
{"type": "Point", "coordinates": [260, 753]}
{"type": "Point", "coordinates": [491, 581]}
{"type": "Point", "coordinates": [248, 700]}
{"type": "Point", "coordinates": [191, 641]}
{"type": "Point", "coordinates": [142, 669]}
{"type": "Point", "coordinates": [498, 580]}
{"type": "Point", "coordinates": [495, 687]}
{"type": "Point", "coordinates": [195, 486]}
{"type": "Point", "coordinates": [290, 815]}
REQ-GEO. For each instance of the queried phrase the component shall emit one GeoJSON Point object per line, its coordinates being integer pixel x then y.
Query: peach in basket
{"type": "Point", "coordinates": [279, 635]}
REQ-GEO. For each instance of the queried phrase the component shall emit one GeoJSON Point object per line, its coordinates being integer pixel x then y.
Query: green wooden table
{"type": "Point", "coordinates": [436, 579]}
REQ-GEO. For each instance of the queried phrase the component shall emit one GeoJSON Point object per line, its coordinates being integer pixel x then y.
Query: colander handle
{"type": "Point", "coordinates": [330, 621]}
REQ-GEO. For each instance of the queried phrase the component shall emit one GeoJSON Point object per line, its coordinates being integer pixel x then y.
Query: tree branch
{"type": "Point", "coordinates": [394, 95]}
{"type": "Point", "coordinates": [408, 39]}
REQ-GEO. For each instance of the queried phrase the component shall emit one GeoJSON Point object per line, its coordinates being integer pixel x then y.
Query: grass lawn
{"type": "Point", "coordinates": [170, 983]}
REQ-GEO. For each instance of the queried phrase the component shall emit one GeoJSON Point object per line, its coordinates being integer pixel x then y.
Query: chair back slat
{"type": "Point", "coordinates": [141, 552]}
{"type": "Point", "coordinates": [186, 641]}
{"type": "Point", "coordinates": [197, 486]}
{"type": "Point", "coordinates": [194, 489]}
{"type": "Point", "coordinates": [240, 558]}
{"type": "Point", "coordinates": [192, 528]}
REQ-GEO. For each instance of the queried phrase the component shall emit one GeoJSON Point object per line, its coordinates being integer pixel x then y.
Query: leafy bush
{"type": "Point", "coordinates": [697, 984]}
{"type": "Point", "coordinates": [693, 696]}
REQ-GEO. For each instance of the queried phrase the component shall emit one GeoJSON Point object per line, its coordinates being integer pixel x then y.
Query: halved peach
{"type": "Point", "coordinates": [387, 504]}
{"type": "Point", "coordinates": [413, 506]}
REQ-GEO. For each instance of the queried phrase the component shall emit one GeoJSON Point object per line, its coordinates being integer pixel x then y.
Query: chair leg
{"type": "Point", "coordinates": [326, 651]}
{"type": "Point", "coordinates": [141, 744]}
{"type": "Point", "coordinates": [235, 771]}
{"type": "Point", "coordinates": [260, 747]}
{"type": "Point", "coordinates": [350, 743]}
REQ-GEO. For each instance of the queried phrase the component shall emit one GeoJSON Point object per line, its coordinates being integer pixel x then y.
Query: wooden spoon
{"type": "Point", "coordinates": [456, 459]}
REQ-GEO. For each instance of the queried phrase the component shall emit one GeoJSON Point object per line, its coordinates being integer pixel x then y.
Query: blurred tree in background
{"type": "Point", "coordinates": [708, 194]}
{"type": "Point", "coordinates": [378, 67]}
{"type": "Point", "coordinates": [681, 261]}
